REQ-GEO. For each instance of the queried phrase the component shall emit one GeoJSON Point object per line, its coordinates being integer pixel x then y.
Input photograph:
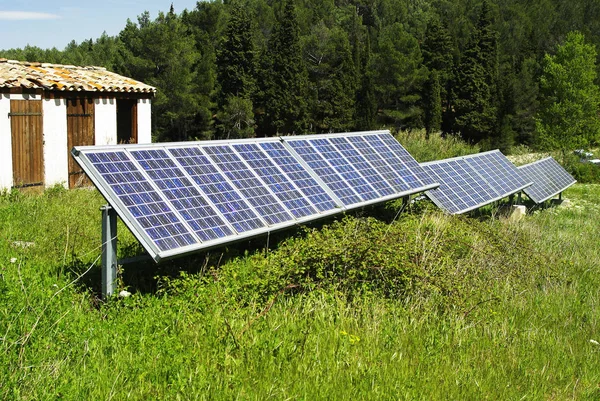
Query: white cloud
{"type": "Point", "coordinates": [25, 15]}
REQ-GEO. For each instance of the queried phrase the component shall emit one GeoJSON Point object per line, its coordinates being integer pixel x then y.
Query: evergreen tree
{"type": "Point", "coordinates": [332, 79]}
{"type": "Point", "coordinates": [475, 109]}
{"type": "Point", "coordinates": [433, 106]}
{"type": "Point", "coordinates": [438, 53]}
{"type": "Point", "coordinates": [162, 54]}
{"type": "Point", "coordinates": [236, 70]}
{"type": "Point", "coordinates": [399, 76]}
{"type": "Point", "coordinates": [366, 103]}
{"type": "Point", "coordinates": [568, 116]}
{"type": "Point", "coordinates": [283, 100]}
{"type": "Point", "coordinates": [236, 118]}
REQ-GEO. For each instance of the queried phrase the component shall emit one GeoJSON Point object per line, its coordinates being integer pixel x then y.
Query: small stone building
{"type": "Point", "coordinates": [46, 109]}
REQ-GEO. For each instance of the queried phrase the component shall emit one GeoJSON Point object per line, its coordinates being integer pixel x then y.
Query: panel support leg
{"type": "Point", "coordinates": [560, 196]}
{"type": "Point", "coordinates": [109, 250]}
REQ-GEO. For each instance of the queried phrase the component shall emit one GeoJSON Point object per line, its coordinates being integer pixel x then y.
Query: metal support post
{"type": "Point", "coordinates": [519, 198]}
{"type": "Point", "coordinates": [560, 196]}
{"type": "Point", "coordinates": [109, 250]}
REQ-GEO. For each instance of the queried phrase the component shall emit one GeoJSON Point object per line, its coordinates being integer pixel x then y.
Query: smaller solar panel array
{"type": "Point", "coordinates": [549, 179]}
{"type": "Point", "coordinates": [181, 197]}
{"type": "Point", "coordinates": [469, 182]}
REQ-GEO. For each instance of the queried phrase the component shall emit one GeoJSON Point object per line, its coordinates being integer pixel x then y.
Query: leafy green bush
{"type": "Point", "coordinates": [583, 172]}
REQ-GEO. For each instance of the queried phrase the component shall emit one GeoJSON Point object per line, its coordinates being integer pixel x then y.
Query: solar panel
{"type": "Point", "coordinates": [470, 182]}
{"type": "Point", "coordinates": [301, 178]}
{"type": "Point", "coordinates": [147, 211]}
{"type": "Point", "coordinates": [325, 171]}
{"type": "Point", "coordinates": [243, 178]}
{"type": "Point", "coordinates": [276, 180]}
{"type": "Point", "coordinates": [361, 168]}
{"type": "Point", "coordinates": [549, 179]}
{"type": "Point", "coordinates": [220, 192]}
{"type": "Point", "coordinates": [362, 165]}
{"type": "Point", "coordinates": [204, 220]}
{"type": "Point", "coordinates": [409, 161]}
{"type": "Point", "coordinates": [179, 198]}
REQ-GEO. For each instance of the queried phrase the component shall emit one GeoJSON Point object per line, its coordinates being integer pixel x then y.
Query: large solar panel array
{"type": "Point", "coordinates": [469, 182]}
{"type": "Point", "coordinates": [549, 179]}
{"type": "Point", "coordinates": [178, 198]}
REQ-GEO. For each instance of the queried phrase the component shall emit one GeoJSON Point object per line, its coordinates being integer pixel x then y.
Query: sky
{"type": "Point", "coordinates": [48, 24]}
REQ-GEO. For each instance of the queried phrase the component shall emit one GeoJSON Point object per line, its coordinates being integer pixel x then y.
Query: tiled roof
{"type": "Point", "coordinates": [66, 78]}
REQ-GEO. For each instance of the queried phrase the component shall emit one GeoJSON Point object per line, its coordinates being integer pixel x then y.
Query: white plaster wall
{"type": "Point", "coordinates": [6, 172]}
{"type": "Point", "coordinates": [144, 118]}
{"type": "Point", "coordinates": [105, 121]}
{"type": "Point", "coordinates": [56, 154]}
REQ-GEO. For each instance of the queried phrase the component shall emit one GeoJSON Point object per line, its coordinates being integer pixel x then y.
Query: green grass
{"type": "Point", "coordinates": [438, 308]}
{"type": "Point", "coordinates": [370, 305]}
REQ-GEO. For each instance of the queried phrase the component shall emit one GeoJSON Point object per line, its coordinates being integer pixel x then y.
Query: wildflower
{"type": "Point", "coordinates": [13, 260]}
{"type": "Point", "coordinates": [594, 342]}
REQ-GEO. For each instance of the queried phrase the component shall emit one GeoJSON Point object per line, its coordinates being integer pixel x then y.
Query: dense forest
{"type": "Point", "coordinates": [497, 72]}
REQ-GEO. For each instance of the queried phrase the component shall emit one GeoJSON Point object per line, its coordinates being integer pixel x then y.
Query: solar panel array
{"type": "Point", "coordinates": [469, 182]}
{"type": "Point", "coordinates": [549, 179]}
{"type": "Point", "coordinates": [182, 197]}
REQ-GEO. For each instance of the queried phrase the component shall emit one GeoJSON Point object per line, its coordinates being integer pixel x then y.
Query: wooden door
{"type": "Point", "coordinates": [80, 132]}
{"type": "Point", "coordinates": [26, 120]}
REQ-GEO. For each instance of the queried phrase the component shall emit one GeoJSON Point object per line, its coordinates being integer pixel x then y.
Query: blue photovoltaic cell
{"type": "Point", "coordinates": [248, 184]}
{"type": "Point", "coordinates": [182, 194]}
{"type": "Point", "coordinates": [387, 172]}
{"type": "Point", "coordinates": [344, 168]}
{"type": "Point", "coordinates": [333, 180]}
{"type": "Point", "coordinates": [549, 179]}
{"type": "Point", "coordinates": [473, 181]}
{"type": "Point", "coordinates": [407, 159]}
{"type": "Point", "coordinates": [452, 195]}
{"type": "Point", "coordinates": [218, 190]}
{"type": "Point", "coordinates": [299, 176]}
{"type": "Point", "coordinates": [361, 164]}
{"type": "Point", "coordinates": [393, 161]}
{"type": "Point", "coordinates": [280, 185]}
{"type": "Point", "coordinates": [157, 219]}
{"type": "Point", "coordinates": [498, 171]}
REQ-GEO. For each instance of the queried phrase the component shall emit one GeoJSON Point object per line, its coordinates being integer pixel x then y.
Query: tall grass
{"type": "Point", "coordinates": [422, 306]}
{"type": "Point", "coordinates": [433, 147]}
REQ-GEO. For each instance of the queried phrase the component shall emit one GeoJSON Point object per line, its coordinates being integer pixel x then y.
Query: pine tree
{"type": "Point", "coordinates": [399, 76]}
{"type": "Point", "coordinates": [283, 100]}
{"type": "Point", "coordinates": [475, 109]}
{"type": "Point", "coordinates": [433, 106]}
{"type": "Point", "coordinates": [332, 77]}
{"type": "Point", "coordinates": [366, 103]}
{"type": "Point", "coordinates": [163, 54]}
{"type": "Point", "coordinates": [236, 69]}
{"type": "Point", "coordinates": [438, 55]}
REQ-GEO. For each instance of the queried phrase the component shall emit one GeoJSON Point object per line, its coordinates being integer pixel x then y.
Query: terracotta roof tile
{"type": "Point", "coordinates": [54, 77]}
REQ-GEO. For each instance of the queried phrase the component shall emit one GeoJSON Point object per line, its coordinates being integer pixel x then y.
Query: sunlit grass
{"type": "Point", "coordinates": [495, 309]}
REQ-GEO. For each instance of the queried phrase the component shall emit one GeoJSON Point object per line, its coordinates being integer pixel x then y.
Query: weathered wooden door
{"type": "Point", "coordinates": [80, 132]}
{"type": "Point", "coordinates": [26, 126]}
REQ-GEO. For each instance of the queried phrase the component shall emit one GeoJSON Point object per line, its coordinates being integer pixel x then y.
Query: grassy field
{"type": "Point", "coordinates": [369, 306]}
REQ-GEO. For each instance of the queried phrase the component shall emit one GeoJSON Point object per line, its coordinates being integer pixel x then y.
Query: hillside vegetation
{"type": "Point", "coordinates": [374, 305]}
{"type": "Point", "coordinates": [497, 73]}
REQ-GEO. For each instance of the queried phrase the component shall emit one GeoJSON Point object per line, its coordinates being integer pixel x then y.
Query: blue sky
{"type": "Point", "coordinates": [48, 24]}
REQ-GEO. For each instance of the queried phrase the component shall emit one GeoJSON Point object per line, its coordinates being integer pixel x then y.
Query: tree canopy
{"type": "Point", "coordinates": [497, 72]}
